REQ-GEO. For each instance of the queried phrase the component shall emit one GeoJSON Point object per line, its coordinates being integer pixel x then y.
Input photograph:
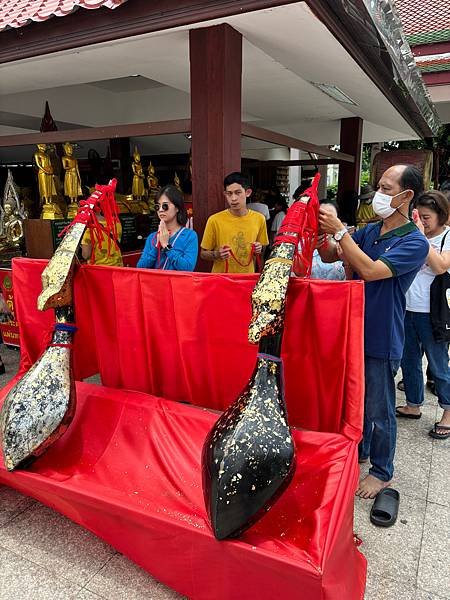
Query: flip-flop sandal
{"type": "Point", "coordinates": [403, 415]}
{"type": "Point", "coordinates": [384, 510]}
{"type": "Point", "coordinates": [439, 436]}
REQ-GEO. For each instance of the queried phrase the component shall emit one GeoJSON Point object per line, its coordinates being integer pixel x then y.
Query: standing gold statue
{"type": "Point", "coordinates": [176, 182]}
{"type": "Point", "coordinates": [46, 181]}
{"type": "Point", "coordinates": [153, 187]}
{"type": "Point", "coordinates": [137, 190]}
{"type": "Point", "coordinates": [72, 180]}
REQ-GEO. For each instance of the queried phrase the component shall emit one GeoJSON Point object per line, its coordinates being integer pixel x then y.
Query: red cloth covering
{"type": "Point", "coordinates": [128, 468]}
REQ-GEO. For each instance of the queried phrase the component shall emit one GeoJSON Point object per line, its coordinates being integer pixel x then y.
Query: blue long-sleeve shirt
{"type": "Point", "coordinates": [181, 257]}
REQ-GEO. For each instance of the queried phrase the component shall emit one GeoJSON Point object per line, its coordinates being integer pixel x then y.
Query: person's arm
{"type": "Point", "coordinates": [86, 250]}
{"type": "Point", "coordinates": [328, 251]}
{"type": "Point", "coordinates": [184, 258]}
{"type": "Point", "coordinates": [438, 262]}
{"type": "Point", "coordinates": [208, 249]}
{"type": "Point", "coordinates": [149, 254]}
{"type": "Point", "coordinates": [262, 239]}
{"type": "Point", "coordinates": [367, 269]}
{"type": "Point", "coordinates": [211, 255]}
{"type": "Point", "coordinates": [86, 246]}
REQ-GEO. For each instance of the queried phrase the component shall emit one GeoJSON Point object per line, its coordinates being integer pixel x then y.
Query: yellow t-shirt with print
{"type": "Point", "coordinates": [239, 233]}
{"type": "Point", "coordinates": [101, 254]}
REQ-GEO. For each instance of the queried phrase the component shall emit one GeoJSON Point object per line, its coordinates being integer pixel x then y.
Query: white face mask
{"type": "Point", "coordinates": [381, 204]}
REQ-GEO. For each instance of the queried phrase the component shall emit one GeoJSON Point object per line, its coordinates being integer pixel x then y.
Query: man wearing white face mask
{"type": "Point", "coordinates": [387, 256]}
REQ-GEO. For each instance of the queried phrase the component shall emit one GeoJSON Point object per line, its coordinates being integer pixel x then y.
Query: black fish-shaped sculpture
{"type": "Point", "coordinates": [249, 455]}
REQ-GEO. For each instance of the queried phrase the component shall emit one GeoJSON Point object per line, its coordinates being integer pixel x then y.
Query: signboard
{"type": "Point", "coordinates": [8, 324]}
{"type": "Point", "coordinates": [129, 231]}
{"type": "Point", "coordinates": [57, 227]}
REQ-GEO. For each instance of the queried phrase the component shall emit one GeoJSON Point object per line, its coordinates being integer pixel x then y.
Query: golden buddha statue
{"type": "Point", "coordinates": [138, 190]}
{"type": "Point", "coordinates": [72, 180]}
{"type": "Point", "coordinates": [11, 227]}
{"type": "Point", "coordinates": [153, 187]}
{"type": "Point", "coordinates": [177, 183]}
{"type": "Point", "coordinates": [46, 181]}
{"type": "Point", "coordinates": [152, 180]}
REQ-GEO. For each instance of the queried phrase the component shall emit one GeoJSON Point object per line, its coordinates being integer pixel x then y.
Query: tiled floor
{"type": "Point", "coordinates": [44, 556]}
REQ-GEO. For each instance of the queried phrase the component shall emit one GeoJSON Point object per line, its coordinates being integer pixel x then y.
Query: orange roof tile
{"type": "Point", "coordinates": [17, 13]}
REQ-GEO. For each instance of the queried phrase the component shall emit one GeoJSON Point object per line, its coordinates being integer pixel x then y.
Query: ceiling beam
{"type": "Point", "coordinates": [98, 133]}
{"type": "Point", "coordinates": [258, 133]}
{"type": "Point", "coordinates": [86, 27]}
{"type": "Point", "coordinates": [294, 163]}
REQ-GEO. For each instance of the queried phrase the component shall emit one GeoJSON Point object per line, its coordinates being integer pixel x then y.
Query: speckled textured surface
{"type": "Point", "coordinates": [269, 295]}
{"type": "Point", "coordinates": [57, 275]}
{"type": "Point", "coordinates": [39, 408]}
{"type": "Point", "coordinates": [248, 457]}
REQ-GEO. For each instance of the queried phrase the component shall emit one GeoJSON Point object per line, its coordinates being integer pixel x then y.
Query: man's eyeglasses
{"type": "Point", "coordinates": [163, 207]}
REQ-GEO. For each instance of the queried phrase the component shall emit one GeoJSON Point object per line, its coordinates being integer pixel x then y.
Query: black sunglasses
{"type": "Point", "coordinates": [164, 206]}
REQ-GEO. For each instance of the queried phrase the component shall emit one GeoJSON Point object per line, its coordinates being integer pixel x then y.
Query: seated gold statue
{"type": "Point", "coordinates": [152, 180]}
{"type": "Point", "coordinates": [12, 229]}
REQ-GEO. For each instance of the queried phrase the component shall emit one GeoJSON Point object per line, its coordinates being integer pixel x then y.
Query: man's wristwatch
{"type": "Point", "coordinates": [168, 247]}
{"type": "Point", "coordinates": [339, 235]}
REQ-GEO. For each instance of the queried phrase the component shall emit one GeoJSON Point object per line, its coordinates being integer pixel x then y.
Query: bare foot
{"type": "Point", "coordinates": [370, 486]}
{"type": "Point", "coordinates": [445, 419]}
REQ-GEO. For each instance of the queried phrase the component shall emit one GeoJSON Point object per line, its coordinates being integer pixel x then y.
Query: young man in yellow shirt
{"type": "Point", "coordinates": [235, 235]}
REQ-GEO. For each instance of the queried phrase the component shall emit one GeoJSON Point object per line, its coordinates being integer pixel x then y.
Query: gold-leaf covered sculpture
{"type": "Point", "coordinates": [46, 182]}
{"type": "Point", "coordinates": [72, 180]}
{"type": "Point", "coordinates": [41, 405]}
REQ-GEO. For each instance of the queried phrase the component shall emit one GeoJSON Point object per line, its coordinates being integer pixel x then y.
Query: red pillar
{"type": "Point", "coordinates": [349, 173]}
{"type": "Point", "coordinates": [216, 98]}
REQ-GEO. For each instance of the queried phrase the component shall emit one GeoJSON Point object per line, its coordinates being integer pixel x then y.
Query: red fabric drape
{"type": "Point", "coordinates": [183, 336]}
{"type": "Point", "coordinates": [128, 468]}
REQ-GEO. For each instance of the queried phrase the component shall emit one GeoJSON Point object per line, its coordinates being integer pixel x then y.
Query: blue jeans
{"type": "Point", "coordinates": [380, 423]}
{"type": "Point", "coordinates": [419, 339]}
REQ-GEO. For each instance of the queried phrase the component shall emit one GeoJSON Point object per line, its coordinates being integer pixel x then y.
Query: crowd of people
{"type": "Point", "coordinates": [400, 244]}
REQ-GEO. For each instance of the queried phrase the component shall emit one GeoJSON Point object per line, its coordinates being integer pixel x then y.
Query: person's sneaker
{"type": "Point", "coordinates": [401, 385]}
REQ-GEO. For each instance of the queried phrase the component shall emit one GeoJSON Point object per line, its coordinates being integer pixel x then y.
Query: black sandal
{"type": "Point", "coordinates": [384, 510]}
{"type": "Point", "coordinates": [439, 436]}
{"type": "Point", "coordinates": [403, 415]}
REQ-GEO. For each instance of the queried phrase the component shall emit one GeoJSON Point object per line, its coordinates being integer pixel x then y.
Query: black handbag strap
{"type": "Point", "coordinates": [443, 241]}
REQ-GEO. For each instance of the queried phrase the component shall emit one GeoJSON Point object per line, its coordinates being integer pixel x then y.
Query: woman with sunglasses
{"type": "Point", "coordinates": [433, 213]}
{"type": "Point", "coordinates": [172, 247]}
